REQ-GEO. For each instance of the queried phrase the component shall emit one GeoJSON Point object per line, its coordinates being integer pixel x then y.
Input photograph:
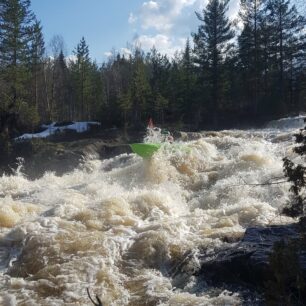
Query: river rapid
{"type": "Point", "coordinates": [132, 230]}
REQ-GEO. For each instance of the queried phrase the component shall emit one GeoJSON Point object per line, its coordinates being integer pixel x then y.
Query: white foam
{"type": "Point", "coordinates": [119, 226]}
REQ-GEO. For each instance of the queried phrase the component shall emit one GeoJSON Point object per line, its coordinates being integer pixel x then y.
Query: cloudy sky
{"type": "Point", "coordinates": [114, 24]}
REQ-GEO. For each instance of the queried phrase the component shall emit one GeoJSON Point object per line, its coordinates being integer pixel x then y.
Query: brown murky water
{"type": "Point", "coordinates": [123, 227]}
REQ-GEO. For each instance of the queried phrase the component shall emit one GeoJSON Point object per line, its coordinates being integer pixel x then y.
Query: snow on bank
{"type": "Point", "coordinates": [51, 129]}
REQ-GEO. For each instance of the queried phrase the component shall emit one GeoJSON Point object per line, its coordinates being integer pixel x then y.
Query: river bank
{"type": "Point", "coordinates": [64, 152]}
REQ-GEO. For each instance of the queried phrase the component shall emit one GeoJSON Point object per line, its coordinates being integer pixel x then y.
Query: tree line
{"type": "Point", "coordinates": [249, 69]}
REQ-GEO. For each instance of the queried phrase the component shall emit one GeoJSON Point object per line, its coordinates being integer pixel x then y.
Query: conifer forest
{"type": "Point", "coordinates": [246, 70]}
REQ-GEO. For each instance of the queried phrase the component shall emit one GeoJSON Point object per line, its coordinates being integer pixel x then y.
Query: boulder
{"type": "Point", "coordinates": [40, 156]}
{"type": "Point", "coordinates": [249, 261]}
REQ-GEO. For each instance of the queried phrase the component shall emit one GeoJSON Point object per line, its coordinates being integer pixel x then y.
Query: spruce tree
{"type": "Point", "coordinates": [250, 49]}
{"type": "Point", "coordinates": [211, 46]}
{"type": "Point", "coordinates": [159, 81]}
{"type": "Point", "coordinates": [96, 94]}
{"type": "Point", "coordinates": [37, 49]}
{"type": "Point", "coordinates": [125, 104]}
{"type": "Point", "coordinates": [140, 89]}
{"type": "Point", "coordinates": [61, 90]}
{"type": "Point", "coordinates": [16, 34]}
{"type": "Point", "coordinates": [81, 74]}
{"type": "Point", "coordinates": [189, 105]}
{"type": "Point", "coordinates": [287, 47]}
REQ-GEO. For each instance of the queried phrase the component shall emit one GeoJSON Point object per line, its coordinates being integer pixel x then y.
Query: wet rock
{"type": "Point", "coordinates": [100, 149]}
{"type": "Point", "coordinates": [249, 260]}
{"type": "Point", "coordinates": [186, 136]}
{"type": "Point", "coordinates": [189, 136]}
{"type": "Point", "coordinates": [64, 152]}
{"type": "Point", "coordinates": [40, 156]}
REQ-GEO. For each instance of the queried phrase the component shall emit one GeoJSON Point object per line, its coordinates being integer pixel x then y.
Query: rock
{"type": "Point", "coordinates": [64, 152]}
{"type": "Point", "coordinates": [98, 148]}
{"type": "Point", "coordinates": [249, 260]}
{"type": "Point", "coordinates": [61, 157]}
{"type": "Point", "coordinates": [186, 136]}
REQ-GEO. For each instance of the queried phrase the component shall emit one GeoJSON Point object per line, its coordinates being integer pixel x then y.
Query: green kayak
{"type": "Point", "coordinates": [145, 150]}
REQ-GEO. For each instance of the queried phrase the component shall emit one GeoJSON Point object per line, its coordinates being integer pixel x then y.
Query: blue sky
{"type": "Point", "coordinates": [108, 24]}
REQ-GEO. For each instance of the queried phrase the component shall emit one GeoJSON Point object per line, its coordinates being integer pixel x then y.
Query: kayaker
{"type": "Point", "coordinates": [150, 123]}
{"type": "Point", "coordinates": [167, 137]}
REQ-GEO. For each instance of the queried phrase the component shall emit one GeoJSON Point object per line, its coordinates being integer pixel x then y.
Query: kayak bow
{"type": "Point", "coordinates": [145, 150]}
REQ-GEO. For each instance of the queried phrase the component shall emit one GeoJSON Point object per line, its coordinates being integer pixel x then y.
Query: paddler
{"type": "Point", "coordinates": [167, 136]}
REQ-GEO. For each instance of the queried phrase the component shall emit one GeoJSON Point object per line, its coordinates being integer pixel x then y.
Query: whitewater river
{"type": "Point", "coordinates": [126, 228]}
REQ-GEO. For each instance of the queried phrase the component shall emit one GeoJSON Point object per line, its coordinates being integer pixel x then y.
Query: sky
{"type": "Point", "coordinates": [118, 24]}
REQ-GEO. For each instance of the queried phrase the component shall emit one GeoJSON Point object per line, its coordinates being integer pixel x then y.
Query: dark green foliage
{"type": "Point", "coordinates": [211, 47]}
{"type": "Point", "coordinates": [159, 81]}
{"type": "Point", "coordinates": [82, 77]}
{"type": "Point", "coordinates": [287, 42]}
{"type": "Point", "coordinates": [16, 35]}
{"type": "Point", "coordinates": [21, 52]}
{"type": "Point", "coordinates": [249, 75]}
{"type": "Point", "coordinates": [184, 82]}
{"type": "Point", "coordinates": [61, 90]}
{"type": "Point", "coordinates": [250, 49]}
{"type": "Point", "coordinates": [287, 283]}
{"type": "Point", "coordinates": [37, 49]}
{"type": "Point", "coordinates": [140, 89]}
{"type": "Point", "coordinates": [296, 174]}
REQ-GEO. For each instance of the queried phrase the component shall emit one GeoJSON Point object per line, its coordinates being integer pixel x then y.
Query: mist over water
{"type": "Point", "coordinates": [131, 230]}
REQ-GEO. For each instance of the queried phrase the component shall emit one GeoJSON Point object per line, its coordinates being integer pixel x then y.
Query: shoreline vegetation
{"type": "Point", "coordinates": [227, 75]}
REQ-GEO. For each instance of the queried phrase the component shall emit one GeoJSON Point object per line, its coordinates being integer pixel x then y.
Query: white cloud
{"type": "Point", "coordinates": [71, 58]}
{"type": "Point", "coordinates": [166, 24]}
{"type": "Point", "coordinates": [113, 53]}
{"type": "Point", "coordinates": [159, 41]}
{"type": "Point", "coordinates": [132, 19]}
{"type": "Point", "coordinates": [162, 43]}
{"type": "Point", "coordinates": [108, 54]}
{"type": "Point", "coordinates": [233, 9]}
{"type": "Point", "coordinates": [161, 14]}
{"type": "Point", "coordinates": [126, 52]}
{"type": "Point", "coordinates": [151, 5]}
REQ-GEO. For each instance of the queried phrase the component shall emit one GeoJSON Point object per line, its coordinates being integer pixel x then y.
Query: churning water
{"type": "Point", "coordinates": [122, 227]}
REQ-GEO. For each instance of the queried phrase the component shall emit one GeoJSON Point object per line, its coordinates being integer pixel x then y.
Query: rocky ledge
{"type": "Point", "coordinates": [65, 152]}
{"type": "Point", "coordinates": [270, 260]}
{"type": "Point", "coordinates": [42, 156]}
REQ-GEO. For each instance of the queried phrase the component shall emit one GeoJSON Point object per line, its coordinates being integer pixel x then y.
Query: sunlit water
{"type": "Point", "coordinates": [126, 228]}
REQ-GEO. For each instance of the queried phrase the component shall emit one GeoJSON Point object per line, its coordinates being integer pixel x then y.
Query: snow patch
{"type": "Point", "coordinates": [51, 129]}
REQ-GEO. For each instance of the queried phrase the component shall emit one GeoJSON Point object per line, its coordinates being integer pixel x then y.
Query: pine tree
{"type": "Point", "coordinates": [182, 90]}
{"type": "Point", "coordinates": [189, 107]}
{"type": "Point", "coordinates": [211, 45]}
{"type": "Point", "coordinates": [125, 105]}
{"type": "Point", "coordinates": [250, 49]}
{"type": "Point", "coordinates": [140, 89]}
{"type": "Point", "coordinates": [159, 82]}
{"type": "Point", "coordinates": [62, 90]}
{"type": "Point", "coordinates": [16, 35]}
{"type": "Point", "coordinates": [81, 73]}
{"type": "Point", "coordinates": [288, 42]}
{"type": "Point", "coordinates": [37, 49]}
{"type": "Point", "coordinates": [97, 94]}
